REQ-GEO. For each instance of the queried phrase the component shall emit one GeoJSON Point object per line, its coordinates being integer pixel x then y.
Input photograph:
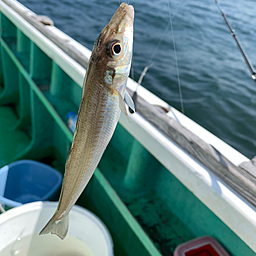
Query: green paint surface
{"type": "Point", "coordinates": [12, 142]}
{"type": "Point", "coordinates": [147, 210]}
{"type": "Point", "coordinates": [166, 210]}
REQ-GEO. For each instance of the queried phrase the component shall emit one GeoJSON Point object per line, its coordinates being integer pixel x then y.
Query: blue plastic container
{"type": "Point", "coordinates": [72, 119]}
{"type": "Point", "coordinates": [27, 181]}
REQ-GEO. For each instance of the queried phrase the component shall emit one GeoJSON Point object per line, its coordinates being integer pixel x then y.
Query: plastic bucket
{"type": "Point", "coordinates": [19, 228]}
{"type": "Point", "coordinates": [26, 181]}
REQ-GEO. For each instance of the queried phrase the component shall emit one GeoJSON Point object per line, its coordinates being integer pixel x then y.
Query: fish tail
{"type": "Point", "coordinates": [56, 225]}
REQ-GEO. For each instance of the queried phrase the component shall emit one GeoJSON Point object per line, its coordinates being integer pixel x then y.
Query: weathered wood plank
{"type": "Point", "coordinates": [241, 179]}
{"type": "Point", "coordinates": [45, 20]}
{"type": "Point", "coordinates": [37, 22]}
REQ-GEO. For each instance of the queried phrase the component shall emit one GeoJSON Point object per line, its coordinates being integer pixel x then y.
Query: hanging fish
{"type": "Point", "coordinates": [104, 95]}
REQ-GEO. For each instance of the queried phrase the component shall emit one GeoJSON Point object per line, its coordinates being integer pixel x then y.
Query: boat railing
{"type": "Point", "coordinates": [207, 166]}
{"type": "Point", "coordinates": [240, 177]}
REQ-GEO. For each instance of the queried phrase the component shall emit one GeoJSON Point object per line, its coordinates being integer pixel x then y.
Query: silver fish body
{"type": "Point", "coordinates": [102, 100]}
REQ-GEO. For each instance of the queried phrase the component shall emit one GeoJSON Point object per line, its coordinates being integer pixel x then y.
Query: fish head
{"type": "Point", "coordinates": [112, 52]}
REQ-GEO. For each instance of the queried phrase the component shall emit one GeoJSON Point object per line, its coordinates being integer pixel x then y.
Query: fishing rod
{"type": "Point", "coordinates": [249, 65]}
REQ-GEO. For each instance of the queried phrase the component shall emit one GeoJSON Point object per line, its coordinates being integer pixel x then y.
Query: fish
{"type": "Point", "coordinates": [103, 98]}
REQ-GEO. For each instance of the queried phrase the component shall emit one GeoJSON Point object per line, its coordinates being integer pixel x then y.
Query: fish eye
{"type": "Point", "coordinates": [113, 49]}
{"type": "Point", "coordinates": [116, 48]}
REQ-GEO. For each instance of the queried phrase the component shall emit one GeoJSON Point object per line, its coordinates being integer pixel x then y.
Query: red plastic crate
{"type": "Point", "coordinates": [202, 246]}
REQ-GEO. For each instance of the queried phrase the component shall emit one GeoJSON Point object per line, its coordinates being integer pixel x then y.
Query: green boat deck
{"type": "Point", "coordinates": [147, 210]}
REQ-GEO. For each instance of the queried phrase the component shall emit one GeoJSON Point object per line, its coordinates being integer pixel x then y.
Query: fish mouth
{"type": "Point", "coordinates": [131, 11]}
{"type": "Point", "coordinates": [128, 8]}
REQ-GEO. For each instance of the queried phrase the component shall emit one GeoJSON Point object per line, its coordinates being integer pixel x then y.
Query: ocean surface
{"type": "Point", "coordinates": [217, 89]}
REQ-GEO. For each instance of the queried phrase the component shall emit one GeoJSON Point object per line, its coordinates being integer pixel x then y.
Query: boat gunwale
{"type": "Point", "coordinates": [233, 155]}
{"type": "Point", "coordinates": [194, 175]}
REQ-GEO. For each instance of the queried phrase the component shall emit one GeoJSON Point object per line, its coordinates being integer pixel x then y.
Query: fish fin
{"type": "Point", "coordinates": [128, 100]}
{"type": "Point", "coordinates": [56, 226]}
{"type": "Point", "coordinates": [122, 105]}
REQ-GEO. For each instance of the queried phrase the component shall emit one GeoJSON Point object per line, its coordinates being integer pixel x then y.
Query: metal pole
{"type": "Point", "coordinates": [249, 65]}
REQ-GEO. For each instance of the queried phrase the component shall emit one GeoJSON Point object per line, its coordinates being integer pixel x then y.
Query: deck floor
{"type": "Point", "coordinates": [162, 226]}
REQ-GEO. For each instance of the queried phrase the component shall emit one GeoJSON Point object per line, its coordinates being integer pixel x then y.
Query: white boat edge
{"type": "Point", "coordinates": [231, 208]}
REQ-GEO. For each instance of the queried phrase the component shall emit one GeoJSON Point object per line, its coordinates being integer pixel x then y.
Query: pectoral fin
{"type": "Point", "coordinates": [128, 100]}
{"type": "Point", "coordinates": [122, 105]}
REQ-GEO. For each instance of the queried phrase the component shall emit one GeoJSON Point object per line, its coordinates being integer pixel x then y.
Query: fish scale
{"type": "Point", "coordinates": [99, 111]}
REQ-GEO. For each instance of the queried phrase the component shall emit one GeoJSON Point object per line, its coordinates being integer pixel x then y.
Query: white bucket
{"type": "Point", "coordinates": [19, 228]}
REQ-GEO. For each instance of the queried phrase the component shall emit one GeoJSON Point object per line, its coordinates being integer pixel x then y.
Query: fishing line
{"type": "Point", "coordinates": [162, 36]}
{"type": "Point", "coordinates": [176, 60]}
{"type": "Point", "coordinates": [132, 72]}
{"type": "Point", "coordinates": [150, 63]}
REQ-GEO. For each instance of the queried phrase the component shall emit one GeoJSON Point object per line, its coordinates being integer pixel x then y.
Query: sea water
{"type": "Point", "coordinates": [216, 86]}
{"type": "Point", "coordinates": [46, 245]}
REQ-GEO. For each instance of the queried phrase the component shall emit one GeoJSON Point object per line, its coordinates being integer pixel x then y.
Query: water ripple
{"type": "Point", "coordinates": [218, 92]}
